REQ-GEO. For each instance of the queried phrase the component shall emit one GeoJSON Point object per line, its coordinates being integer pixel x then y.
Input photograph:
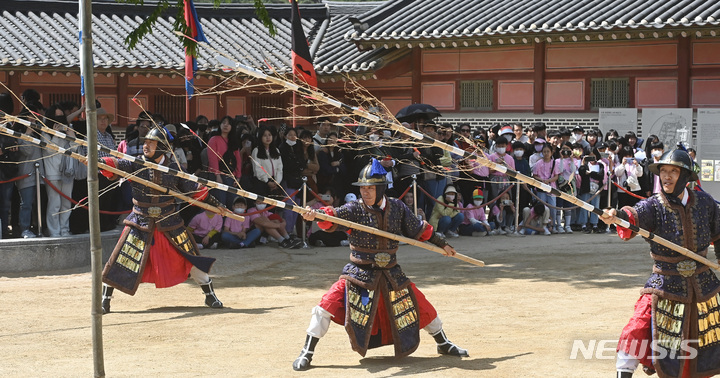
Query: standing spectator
{"type": "Point", "coordinates": [518, 130]}
{"type": "Point", "coordinates": [267, 163]}
{"type": "Point", "coordinates": [311, 165]}
{"type": "Point", "coordinates": [293, 158]}
{"type": "Point", "coordinates": [28, 155]}
{"type": "Point", "coordinates": [566, 183]}
{"type": "Point", "coordinates": [206, 228]}
{"type": "Point", "coordinates": [110, 197]}
{"type": "Point", "coordinates": [628, 173]}
{"type": "Point", "coordinates": [522, 166]}
{"type": "Point", "coordinates": [445, 217]}
{"type": "Point", "coordinates": [592, 174]}
{"type": "Point", "coordinates": [58, 207]}
{"type": "Point", "coordinates": [499, 181]}
{"type": "Point", "coordinates": [475, 220]}
{"type": "Point", "coordinates": [224, 159]}
{"type": "Point", "coordinates": [434, 179]}
{"type": "Point", "coordinates": [537, 154]}
{"type": "Point", "coordinates": [332, 167]}
{"type": "Point", "coordinates": [238, 234]}
{"type": "Point", "coordinates": [547, 171]}
{"type": "Point", "coordinates": [143, 124]}
{"type": "Point", "coordinates": [651, 182]}
{"type": "Point", "coordinates": [408, 164]}
{"type": "Point", "coordinates": [8, 168]}
{"type": "Point", "coordinates": [324, 127]}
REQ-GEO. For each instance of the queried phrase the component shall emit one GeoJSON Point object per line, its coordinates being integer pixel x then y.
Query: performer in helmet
{"type": "Point", "coordinates": [375, 301]}
{"type": "Point", "coordinates": [675, 329]}
{"type": "Point", "coordinates": [155, 245]}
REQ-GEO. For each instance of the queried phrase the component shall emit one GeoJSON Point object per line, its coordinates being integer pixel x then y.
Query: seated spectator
{"type": "Point", "coordinates": [205, 228]}
{"type": "Point", "coordinates": [319, 237]}
{"type": "Point", "coordinates": [238, 234]}
{"type": "Point", "coordinates": [504, 214]}
{"type": "Point", "coordinates": [475, 220]}
{"type": "Point", "coordinates": [271, 225]}
{"type": "Point", "coordinates": [409, 200]}
{"type": "Point", "coordinates": [536, 220]}
{"type": "Point", "coordinates": [445, 218]}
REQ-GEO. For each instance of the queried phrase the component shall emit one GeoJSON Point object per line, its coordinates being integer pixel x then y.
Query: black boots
{"type": "Point", "coordinates": [303, 361]}
{"type": "Point", "coordinates": [210, 299]}
{"type": "Point", "coordinates": [106, 296]}
{"type": "Point", "coordinates": [445, 346]}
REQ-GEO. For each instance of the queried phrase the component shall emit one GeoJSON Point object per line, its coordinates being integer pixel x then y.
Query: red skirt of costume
{"type": "Point", "coordinates": [334, 302]}
{"type": "Point", "coordinates": [165, 266]}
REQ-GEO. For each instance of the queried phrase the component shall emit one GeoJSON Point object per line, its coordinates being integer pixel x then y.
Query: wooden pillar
{"type": "Point", "coordinates": [123, 110]}
{"type": "Point", "coordinates": [539, 78]}
{"type": "Point", "coordinates": [683, 76]}
{"type": "Point", "coordinates": [417, 75]}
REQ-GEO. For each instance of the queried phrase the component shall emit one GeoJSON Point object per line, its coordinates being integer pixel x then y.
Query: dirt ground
{"type": "Point", "coordinates": [518, 316]}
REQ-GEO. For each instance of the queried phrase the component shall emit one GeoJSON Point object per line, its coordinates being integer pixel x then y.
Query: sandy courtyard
{"type": "Point", "coordinates": [518, 316]}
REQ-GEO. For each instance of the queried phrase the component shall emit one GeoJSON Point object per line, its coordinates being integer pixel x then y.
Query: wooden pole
{"type": "Point", "coordinates": [86, 68]}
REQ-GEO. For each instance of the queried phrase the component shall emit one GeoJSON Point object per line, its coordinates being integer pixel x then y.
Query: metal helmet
{"type": "Point", "coordinates": [372, 174]}
{"type": "Point", "coordinates": [678, 158]}
{"type": "Point", "coordinates": [160, 135]}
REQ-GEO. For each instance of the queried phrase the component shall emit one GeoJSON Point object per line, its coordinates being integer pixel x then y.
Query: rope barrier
{"type": "Point", "coordinates": [78, 202]}
{"type": "Point", "coordinates": [405, 192]}
{"type": "Point", "coordinates": [15, 179]}
{"type": "Point", "coordinates": [629, 192]}
{"type": "Point", "coordinates": [556, 207]}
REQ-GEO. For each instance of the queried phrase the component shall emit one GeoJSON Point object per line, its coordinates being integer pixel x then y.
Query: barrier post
{"type": "Point", "coordinates": [415, 197]}
{"type": "Point", "coordinates": [304, 204]}
{"type": "Point", "coordinates": [517, 205]}
{"type": "Point", "coordinates": [37, 200]}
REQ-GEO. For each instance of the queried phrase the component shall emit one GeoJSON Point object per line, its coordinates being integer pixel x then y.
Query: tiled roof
{"type": "Point", "coordinates": [406, 20]}
{"type": "Point", "coordinates": [45, 33]}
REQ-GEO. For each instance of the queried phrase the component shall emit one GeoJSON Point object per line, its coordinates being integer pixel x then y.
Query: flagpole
{"type": "Point", "coordinates": [86, 68]}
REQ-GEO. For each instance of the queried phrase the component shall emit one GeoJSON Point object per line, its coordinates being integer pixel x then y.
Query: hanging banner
{"type": "Point", "coordinates": [621, 120]}
{"type": "Point", "coordinates": [670, 125]}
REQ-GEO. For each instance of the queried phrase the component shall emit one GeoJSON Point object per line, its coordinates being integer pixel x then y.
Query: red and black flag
{"type": "Point", "coordinates": [301, 60]}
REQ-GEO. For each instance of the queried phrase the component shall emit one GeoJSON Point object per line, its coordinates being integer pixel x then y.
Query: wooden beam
{"type": "Point", "coordinates": [683, 73]}
{"type": "Point", "coordinates": [539, 78]}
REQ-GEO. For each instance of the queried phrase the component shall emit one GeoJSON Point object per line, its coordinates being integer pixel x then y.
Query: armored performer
{"type": "Point", "coordinates": [375, 301]}
{"type": "Point", "coordinates": [155, 246]}
{"type": "Point", "coordinates": [675, 329]}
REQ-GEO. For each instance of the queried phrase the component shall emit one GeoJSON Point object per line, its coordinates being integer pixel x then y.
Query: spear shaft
{"type": "Point", "coordinates": [150, 184]}
{"type": "Point", "coordinates": [394, 125]}
{"type": "Point", "coordinates": [253, 196]}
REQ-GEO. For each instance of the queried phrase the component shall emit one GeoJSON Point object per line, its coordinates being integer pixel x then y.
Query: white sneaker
{"type": "Point", "coordinates": [200, 246]}
{"type": "Point", "coordinates": [547, 232]}
{"type": "Point", "coordinates": [452, 234]}
{"type": "Point", "coordinates": [27, 234]}
{"type": "Point", "coordinates": [346, 243]}
{"type": "Point", "coordinates": [560, 230]}
{"type": "Point", "coordinates": [512, 229]}
{"type": "Point", "coordinates": [483, 233]}
{"type": "Point", "coordinates": [493, 232]}
{"type": "Point", "coordinates": [214, 245]}
{"type": "Point", "coordinates": [440, 234]}
{"type": "Point", "coordinates": [500, 231]}
{"type": "Point", "coordinates": [263, 240]}
{"type": "Point", "coordinates": [568, 230]}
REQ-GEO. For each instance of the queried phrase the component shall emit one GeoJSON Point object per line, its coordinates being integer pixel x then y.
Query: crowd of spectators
{"type": "Point", "coordinates": [457, 195]}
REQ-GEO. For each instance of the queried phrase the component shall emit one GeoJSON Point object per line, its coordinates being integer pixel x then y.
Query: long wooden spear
{"type": "Point", "coordinates": [131, 177]}
{"type": "Point", "coordinates": [393, 124]}
{"type": "Point", "coordinates": [258, 198]}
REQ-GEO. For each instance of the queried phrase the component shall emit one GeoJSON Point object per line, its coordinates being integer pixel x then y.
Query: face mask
{"type": "Point", "coordinates": [477, 202]}
{"type": "Point", "coordinates": [374, 137]}
{"type": "Point", "coordinates": [260, 206]}
{"type": "Point", "coordinates": [291, 142]}
{"type": "Point", "coordinates": [579, 137]}
{"type": "Point", "coordinates": [248, 143]}
{"type": "Point", "coordinates": [450, 197]}
{"type": "Point", "coordinates": [577, 153]}
{"type": "Point", "coordinates": [538, 147]}
{"type": "Point", "coordinates": [604, 155]}
{"type": "Point", "coordinates": [500, 150]}
{"type": "Point", "coordinates": [657, 153]}
{"type": "Point", "coordinates": [239, 210]}
{"type": "Point", "coordinates": [519, 153]}
{"type": "Point", "coordinates": [325, 197]}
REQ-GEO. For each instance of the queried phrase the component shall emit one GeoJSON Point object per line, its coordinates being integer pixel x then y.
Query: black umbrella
{"type": "Point", "coordinates": [415, 112]}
